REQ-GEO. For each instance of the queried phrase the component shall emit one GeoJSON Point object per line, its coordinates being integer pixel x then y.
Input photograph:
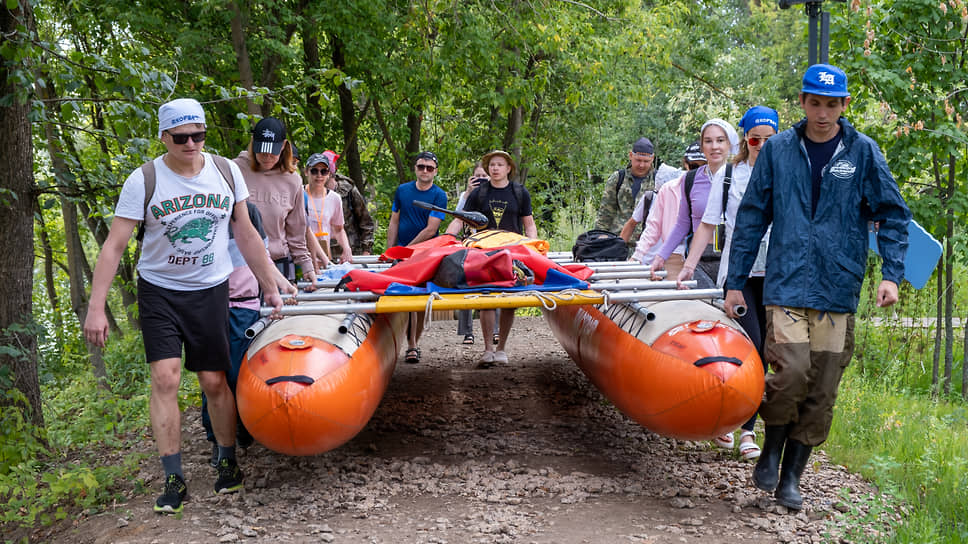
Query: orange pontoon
{"type": "Point", "coordinates": [679, 368]}
{"type": "Point", "coordinates": [306, 388]}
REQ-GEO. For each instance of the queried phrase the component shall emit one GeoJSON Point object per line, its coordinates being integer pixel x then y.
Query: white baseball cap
{"type": "Point", "coordinates": [180, 111]}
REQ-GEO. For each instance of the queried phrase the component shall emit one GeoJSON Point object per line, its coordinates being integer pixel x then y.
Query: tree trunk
{"type": "Point", "coordinates": [17, 225]}
{"type": "Point", "coordinates": [402, 174]}
{"type": "Point", "coordinates": [351, 150]}
{"type": "Point", "coordinates": [49, 273]}
{"type": "Point", "coordinates": [311, 67]}
{"type": "Point", "coordinates": [414, 122]}
{"type": "Point", "coordinates": [949, 296]}
{"type": "Point", "coordinates": [939, 318]}
{"type": "Point", "coordinates": [242, 55]}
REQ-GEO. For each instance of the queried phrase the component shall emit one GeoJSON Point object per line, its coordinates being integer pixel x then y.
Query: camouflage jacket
{"type": "Point", "coordinates": [358, 223]}
{"type": "Point", "coordinates": [617, 206]}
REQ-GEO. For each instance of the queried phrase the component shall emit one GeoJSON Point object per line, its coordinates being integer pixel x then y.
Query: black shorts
{"type": "Point", "coordinates": [199, 320]}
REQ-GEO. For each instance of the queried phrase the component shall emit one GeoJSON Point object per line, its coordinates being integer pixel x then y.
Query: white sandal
{"type": "Point", "coordinates": [726, 441]}
{"type": "Point", "coordinates": [749, 450]}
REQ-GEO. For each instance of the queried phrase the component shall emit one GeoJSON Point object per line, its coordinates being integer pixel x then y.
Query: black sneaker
{"type": "Point", "coordinates": [229, 476]}
{"type": "Point", "coordinates": [214, 460]}
{"type": "Point", "coordinates": [243, 438]}
{"type": "Point", "coordinates": [170, 502]}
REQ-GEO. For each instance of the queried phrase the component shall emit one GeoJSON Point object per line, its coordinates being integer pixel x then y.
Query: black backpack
{"type": "Point", "coordinates": [599, 245]}
{"type": "Point", "coordinates": [714, 250]}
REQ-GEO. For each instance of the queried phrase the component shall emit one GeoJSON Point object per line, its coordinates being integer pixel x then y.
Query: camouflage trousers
{"type": "Point", "coordinates": [807, 351]}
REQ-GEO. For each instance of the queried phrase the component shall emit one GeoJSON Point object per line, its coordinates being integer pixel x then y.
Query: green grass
{"type": "Point", "coordinates": [910, 446]}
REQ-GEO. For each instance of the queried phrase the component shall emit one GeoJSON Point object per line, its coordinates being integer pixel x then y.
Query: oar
{"type": "Point", "coordinates": [474, 220]}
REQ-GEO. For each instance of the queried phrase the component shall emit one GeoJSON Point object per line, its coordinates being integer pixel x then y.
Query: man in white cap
{"type": "Point", "coordinates": [623, 188]}
{"type": "Point", "coordinates": [819, 184]}
{"type": "Point", "coordinates": [185, 201]}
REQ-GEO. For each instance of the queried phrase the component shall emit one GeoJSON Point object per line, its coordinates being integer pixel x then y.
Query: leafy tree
{"type": "Point", "coordinates": [911, 57]}
{"type": "Point", "coordinates": [18, 347]}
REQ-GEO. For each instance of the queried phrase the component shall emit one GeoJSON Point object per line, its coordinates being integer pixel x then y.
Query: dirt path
{"type": "Point", "coordinates": [525, 453]}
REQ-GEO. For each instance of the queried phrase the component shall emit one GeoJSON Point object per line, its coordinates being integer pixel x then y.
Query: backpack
{"type": "Point", "coordinates": [473, 268]}
{"type": "Point", "coordinates": [148, 171]}
{"type": "Point", "coordinates": [599, 245]}
{"type": "Point", "coordinates": [719, 236]}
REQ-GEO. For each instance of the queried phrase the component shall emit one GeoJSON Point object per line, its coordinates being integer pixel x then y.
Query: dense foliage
{"type": "Point", "coordinates": [565, 86]}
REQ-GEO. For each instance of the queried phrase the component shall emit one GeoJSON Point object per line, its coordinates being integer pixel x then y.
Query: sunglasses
{"type": "Point", "coordinates": [754, 141]}
{"type": "Point", "coordinates": [427, 167]}
{"type": "Point", "coordinates": [181, 139]}
{"type": "Point", "coordinates": [319, 171]}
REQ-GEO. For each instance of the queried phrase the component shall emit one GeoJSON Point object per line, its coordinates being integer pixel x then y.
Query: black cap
{"type": "Point", "coordinates": [268, 136]}
{"type": "Point", "coordinates": [694, 153]}
{"type": "Point", "coordinates": [643, 145]}
{"type": "Point", "coordinates": [428, 155]}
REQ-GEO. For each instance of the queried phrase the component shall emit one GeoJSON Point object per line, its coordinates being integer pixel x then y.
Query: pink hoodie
{"type": "Point", "coordinates": [660, 222]}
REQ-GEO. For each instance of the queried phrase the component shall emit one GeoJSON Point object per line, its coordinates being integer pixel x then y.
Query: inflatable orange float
{"type": "Point", "coordinates": [680, 368]}
{"type": "Point", "coordinates": [305, 388]}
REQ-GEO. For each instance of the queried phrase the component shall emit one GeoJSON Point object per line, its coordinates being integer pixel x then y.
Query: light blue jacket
{"type": "Point", "coordinates": [819, 262]}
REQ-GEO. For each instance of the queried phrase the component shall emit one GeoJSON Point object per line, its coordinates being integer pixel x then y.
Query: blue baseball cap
{"type": "Point", "coordinates": [759, 115]}
{"type": "Point", "coordinates": [825, 80]}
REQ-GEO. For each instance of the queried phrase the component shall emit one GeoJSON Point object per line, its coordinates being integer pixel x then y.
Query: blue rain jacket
{"type": "Point", "coordinates": [819, 262]}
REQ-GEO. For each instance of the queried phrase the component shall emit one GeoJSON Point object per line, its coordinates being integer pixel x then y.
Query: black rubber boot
{"type": "Point", "coordinates": [767, 470]}
{"type": "Point", "coordinates": [794, 461]}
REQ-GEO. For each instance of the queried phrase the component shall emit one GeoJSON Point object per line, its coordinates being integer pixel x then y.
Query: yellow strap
{"type": "Point", "coordinates": [483, 301]}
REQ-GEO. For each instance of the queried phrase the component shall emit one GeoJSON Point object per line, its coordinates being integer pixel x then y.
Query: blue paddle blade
{"type": "Point", "coordinates": [922, 254]}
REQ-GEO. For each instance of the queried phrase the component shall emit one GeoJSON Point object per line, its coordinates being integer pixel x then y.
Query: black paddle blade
{"type": "Point", "coordinates": [474, 220]}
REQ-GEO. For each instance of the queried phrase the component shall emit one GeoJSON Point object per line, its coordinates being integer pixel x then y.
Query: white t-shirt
{"type": "Point", "coordinates": [737, 188]}
{"type": "Point", "coordinates": [325, 213]}
{"type": "Point", "coordinates": [187, 228]}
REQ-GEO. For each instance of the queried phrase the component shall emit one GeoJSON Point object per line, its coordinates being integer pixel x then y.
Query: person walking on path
{"type": "Point", "coordinates": [622, 190]}
{"type": "Point", "coordinates": [507, 206]}
{"type": "Point", "coordinates": [277, 190]}
{"type": "Point", "coordinates": [359, 224]}
{"type": "Point", "coordinates": [663, 213]}
{"type": "Point", "coordinates": [759, 123]}
{"type": "Point", "coordinates": [410, 225]}
{"type": "Point", "coordinates": [819, 183]}
{"type": "Point", "coordinates": [183, 284]}
{"type": "Point", "coordinates": [718, 140]}
{"type": "Point", "coordinates": [324, 211]}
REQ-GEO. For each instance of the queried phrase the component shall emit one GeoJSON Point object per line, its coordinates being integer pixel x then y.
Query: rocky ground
{"type": "Point", "coordinates": [528, 452]}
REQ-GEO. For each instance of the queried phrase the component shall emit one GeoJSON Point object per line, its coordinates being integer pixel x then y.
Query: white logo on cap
{"type": "Point", "coordinates": [826, 78]}
{"type": "Point", "coordinates": [268, 134]}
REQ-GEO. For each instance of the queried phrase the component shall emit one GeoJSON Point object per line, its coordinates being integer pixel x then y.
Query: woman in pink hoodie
{"type": "Point", "coordinates": [275, 187]}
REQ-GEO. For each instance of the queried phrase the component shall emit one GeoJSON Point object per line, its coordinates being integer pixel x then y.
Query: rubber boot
{"type": "Point", "coordinates": [794, 461]}
{"type": "Point", "coordinates": [766, 472]}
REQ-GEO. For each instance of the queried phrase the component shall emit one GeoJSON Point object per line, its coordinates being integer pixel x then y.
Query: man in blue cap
{"type": "Point", "coordinates": [819, 183]}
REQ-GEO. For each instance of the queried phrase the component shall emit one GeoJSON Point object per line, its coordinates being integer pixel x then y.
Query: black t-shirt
{"type": "Point", "coordinates": [820, 154]}
{"type": "Point", "coordinates": [502, 209]}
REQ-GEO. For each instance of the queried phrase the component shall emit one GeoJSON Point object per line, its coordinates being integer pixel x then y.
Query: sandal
{"type": "Point", "coordinates": [468, 339]}
{"type": "Point", "coordinates": [749, 450]}
{"type": "Point", "coordinates": [726, 441]}
{"type": "Point", "coordinates": [487, 360]}
{"type": "Point", "coordinates": [412, 356]}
